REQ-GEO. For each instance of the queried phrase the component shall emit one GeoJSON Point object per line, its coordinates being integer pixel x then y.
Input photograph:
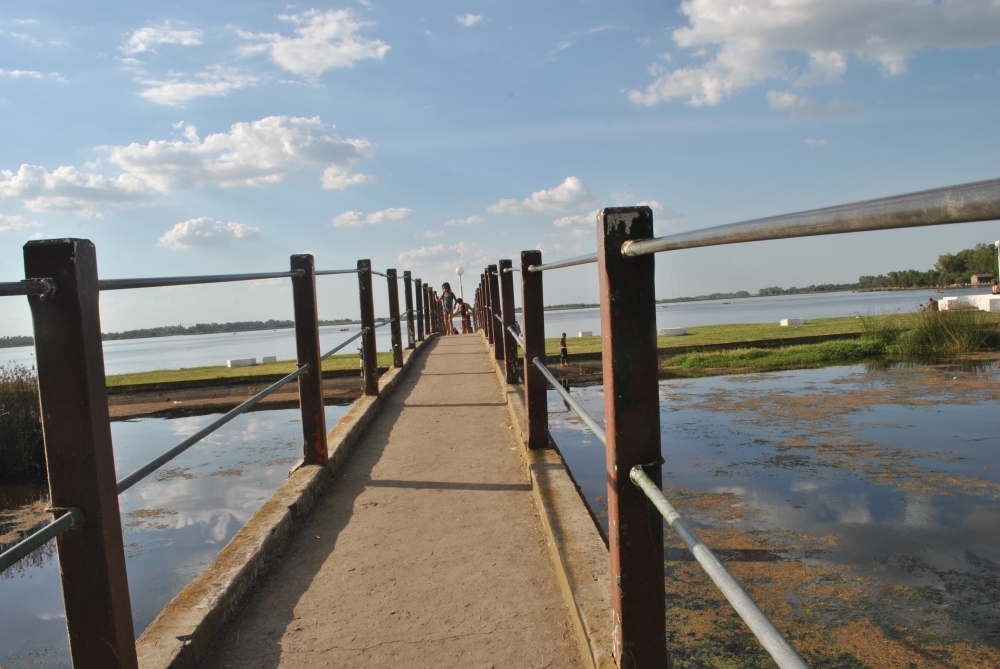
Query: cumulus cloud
{"type": "Point", "coordinates": [148, 38]}
{"type": "Point", "coordinates": [572, 194]}
{"type": "Point", "coordinates": [21, 74]}
{"type": "Point", "coordinates": [256, 153]}
{"type": "Point", "coordinates": [207, 233]}
{"type": "Point", "coordinates": [67, 190]}
{"type": "Point", "coordinates": [809, 108]}
{"type": "Point", "coordinates": [585, 225]}
{"type": "Point", "coordinates": [9, 223]}
{"type": "Point", "coordinates": [470, 220]}
{"type": "Point", "coordinates": [355, 219]}
{"type": "Point", "coordinates": [178, 89]}
{"type": "Point", "coordinates": [445, 256]}
{"type": "Point", "coordinates": [469, 19]}
{"type": "Point", "coordinates": [745, 42]}
{"type": "Point", "coordinates": [431, 234]}
{"type": "Point", "coordinates": [817, 142]}
{"type": "Point", "coordinates": [322, 41]}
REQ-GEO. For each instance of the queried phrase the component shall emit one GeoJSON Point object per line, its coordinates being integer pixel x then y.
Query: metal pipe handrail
{"type": "Point", "coordinates": [36, 540]}
{"type": "Point", "coordinates": [770, 637]}
{"type": "Point", "coordinates": [380, 273]}
{"type": "Point", "coordinates": [156, 282]}
{"type": "Point", "coordinates": [963, 203]}
{"type": "Point", "coordinates": [517, 337]}
{"type": "Point", "coordinates": [569, 262]}
{"type": "Point", "coordinates": [27, 287]}
{"type": "Point", "coordinates": [573, 404]}
{"type": "Point", "coordinates": [326, 272]}
{"type": "Point", "coordinates": [511, 269]}
{"type": "Point", "coordinates": [159, 461]}
{"type": "Point", "coordinates": [341, 345]}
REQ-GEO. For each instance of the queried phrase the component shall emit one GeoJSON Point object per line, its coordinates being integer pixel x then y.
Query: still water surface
{"type": "Point", "coordinates": [174, 522]}
{"type": "Point", "coordinates": [860, 505]}
{"type": "Point", "coordinates": [140, 355]}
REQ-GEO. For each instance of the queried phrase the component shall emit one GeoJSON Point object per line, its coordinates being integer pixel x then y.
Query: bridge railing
{"type": "Point", "coordinates": [637, 506]}
{"type": "Point", "coordinates": [63, 293]}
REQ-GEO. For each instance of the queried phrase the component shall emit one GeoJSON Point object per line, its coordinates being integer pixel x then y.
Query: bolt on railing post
{"type": "Point", "coordinates": [533, 334]}
{"type": "Point", "coordinates": [632, 419]}
{"type": "Point", "coordinates": [369, 350]}
{"type": "Point", "coordinates": [495, 310]}
{"type": "Point", "coordinates": [308, 353]}
{"type": "Point", "coordinates": [408, 297]}
{"type": "Point", "coordinates": [418, 288]}
{"type": "Point", "coordinates": [394, 328]}
{"type": "Point", "coordinates": [78, 452]}
{"type": "Point", "coordinates": [507, 307]}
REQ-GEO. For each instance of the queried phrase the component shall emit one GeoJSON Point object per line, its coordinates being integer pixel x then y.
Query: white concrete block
{"type": "Point", "coordinates": [269, 358]}
{"type": "Point", "coordinates": [588, 333]}
{"type": "Point", "coordinates": [671, 332]}
{"type": "Point", "coordinates": [241, 362]}
{"type": "Point", "coordinates": [785, 322]}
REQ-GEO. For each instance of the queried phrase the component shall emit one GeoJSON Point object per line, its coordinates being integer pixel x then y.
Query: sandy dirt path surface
{"type": "Point", "coordinates": [427, 550]}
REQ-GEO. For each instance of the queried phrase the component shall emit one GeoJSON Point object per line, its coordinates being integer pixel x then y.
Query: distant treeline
{"type": "Point", "coordinates": [10, 342]}
{"type": "Point", "coordinates": [209, 328]}
{"type": "Point", "coordinates": [950, 269]}
{"type": "Point", "coordinates": [713, 296]}
{"type": "Point", "coordinates": [820, 288]}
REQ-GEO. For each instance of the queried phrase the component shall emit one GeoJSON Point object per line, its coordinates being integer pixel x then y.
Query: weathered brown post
{"type": "Point", "coordinates": [408, 296]}
{"type": "Point", "coordinates": [495, 310]}
{"type": "Point", "coordinates": [418, 288]}
{"type": "Point", "coordinates": [533, 334]}
{"type": "Point", "coordinates": [632, 417]}
{"type": "Point", "coordinates": [507, 307]}
{"type": "Point", "coordinates": [78, 453]}
{"type": "Point", "coordinates": [369, 352]}
{"type": "Point", "coordinates": [308, 353]}
{"type": "Point", "coordinates": [394, 329]}
{"type": "Point", "coordinates": [429, 307]}
{"type": "Point", "coordinates": [487, 306]}
{"type": "Point", "coordinates": [477, 307]}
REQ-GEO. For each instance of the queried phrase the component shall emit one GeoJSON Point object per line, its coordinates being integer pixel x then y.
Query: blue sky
{"type": "Point", "coordinates": [189, 137]}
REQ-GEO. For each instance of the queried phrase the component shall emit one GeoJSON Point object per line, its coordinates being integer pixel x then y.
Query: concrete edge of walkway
{"type": "Point", "coordinates": [578, 550]}
{"type": "Point", "coordinates": [188, 626]}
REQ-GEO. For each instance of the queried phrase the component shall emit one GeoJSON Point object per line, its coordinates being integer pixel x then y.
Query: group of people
{"type": "Point", "coordinates": [453, 306]}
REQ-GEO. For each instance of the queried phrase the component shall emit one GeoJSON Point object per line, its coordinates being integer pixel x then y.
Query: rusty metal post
{"type": "Point", "coordinates": [394, 329]}
{"type": "Point", "coordinates": [429, 308]}
{"type": "Point", "coordinates": [308, 353]}
{"type": "Point", "coordinates": [477, 306]}
{"type": "Point", "coordinates": [368, 350]}
{"type": "Point", "coordinates": [507, 308]}
{"type": "Point", "coordinates": [419, 290]}
{"type": "Point", "coordinates": [487, 307]}
{"type": "Point", "coordinates": [78, 452]}
{"type": "Point", "coordinates": [632, 417]}
{"type": "Point", "coordinates": [408, 296]}
{"type": "Point", "coordinates": [495, 310]}
{"type": "Point", "coordinates": [533, 317]}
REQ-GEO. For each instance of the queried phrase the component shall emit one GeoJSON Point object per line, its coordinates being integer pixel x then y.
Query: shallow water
{"type": "Point", "coordinates": [860, 506]}
{"type": "Point", "coordinates": [174, 522]}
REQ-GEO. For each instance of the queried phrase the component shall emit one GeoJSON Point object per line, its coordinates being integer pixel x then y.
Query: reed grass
{"type": "Point", "coordinates": [22, 451]}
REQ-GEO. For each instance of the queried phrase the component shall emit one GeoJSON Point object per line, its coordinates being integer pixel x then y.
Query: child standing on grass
{"type": "Point", "coordinates": [563, 354]}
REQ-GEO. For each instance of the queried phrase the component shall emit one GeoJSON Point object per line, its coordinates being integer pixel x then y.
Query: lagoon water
{"type": "Point", "coordinates": [140, 355]}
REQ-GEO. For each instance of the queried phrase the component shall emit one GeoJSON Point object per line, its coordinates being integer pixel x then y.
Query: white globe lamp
{"type": "Point", "coordinates": [460, 271]}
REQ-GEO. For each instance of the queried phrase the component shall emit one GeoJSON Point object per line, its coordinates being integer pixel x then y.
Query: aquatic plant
{"type": "Point", "coordinates": [936, 333]}
{"type": "Point", "coordinates": [22, 452]}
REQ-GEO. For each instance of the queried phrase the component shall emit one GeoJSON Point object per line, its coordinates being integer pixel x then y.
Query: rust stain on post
{"type": "Point", "coordinates": [632, 417]}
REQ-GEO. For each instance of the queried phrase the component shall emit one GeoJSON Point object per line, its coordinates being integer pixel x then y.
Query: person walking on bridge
{"type": "Point", "coordinates": [448, 308]}
{"type": "Point", "coordinates": [464, 312]}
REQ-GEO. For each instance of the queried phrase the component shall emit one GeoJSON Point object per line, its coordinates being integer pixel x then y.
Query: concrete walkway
{"type": "Point", "coordinates": [427, 551]}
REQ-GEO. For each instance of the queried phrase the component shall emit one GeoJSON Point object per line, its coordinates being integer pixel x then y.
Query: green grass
{"type": "Point", "coordinates": [723, 334]}
{"type": "Point", "coordinates": [803, 356]}
{"type": "Point", "coordinates": [336, 362]}
{"type": "Point", "coordinates": [22, 452]}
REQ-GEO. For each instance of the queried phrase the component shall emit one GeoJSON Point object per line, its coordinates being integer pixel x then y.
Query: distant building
{"type": "Point", "coordinates": [982, 279]}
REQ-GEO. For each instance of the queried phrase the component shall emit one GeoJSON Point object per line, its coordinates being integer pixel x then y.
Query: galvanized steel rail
{"type": "Point", "coordinates": [157, 282]}
{"type": "Point", "coordinates": [27, 287]}
{"type": "Point", "coordinates": [36, 540]}
{"type": "Point", "coordinates": [770, 637]}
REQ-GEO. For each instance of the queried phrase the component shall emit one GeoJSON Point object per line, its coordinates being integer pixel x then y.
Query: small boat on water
{"type": "Point", "coordinates": [344, 329]}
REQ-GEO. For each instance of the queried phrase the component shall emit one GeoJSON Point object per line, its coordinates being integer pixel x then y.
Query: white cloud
{"type": "Point", "coordinates": [338, 178]}
{"type": "Point", "coordinates": [572, 194]}
{"type": "Point", "coordinates": [146, 39]}
{"type": "Point", "coordinates": [817, 142]}
{"type": "Point", "coordinates": [581, 225]}
{"type": "Point", "coordinates": [256, 153]}
{"type": "Point", "coordinates": [431, 234]}
{"type": "Point", "coordinates": [807, 107]}
{"type": "Point", "coordinates": [746, 41]}
{"type": "Point", "coordinates": [21, 74]}
{"type": "Point", "coordinates": [469, 19]}
{"type": "Point", "coordinates": [323, 41]}
{"type": "Point", "coordinates": [445, 256]}
{"type": "Point", "coordinates": [67, 190]}
{"type": "Point", "coordinates": [207, 233]}
{"type": "Point", "coordinates": [214, 81]}
{"type": "Point", "coordinates": [9, 223]}
{"type": "Point", "coordinates": [355, 219]}
{"type": "Point", "coordinates": [470, 220]}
